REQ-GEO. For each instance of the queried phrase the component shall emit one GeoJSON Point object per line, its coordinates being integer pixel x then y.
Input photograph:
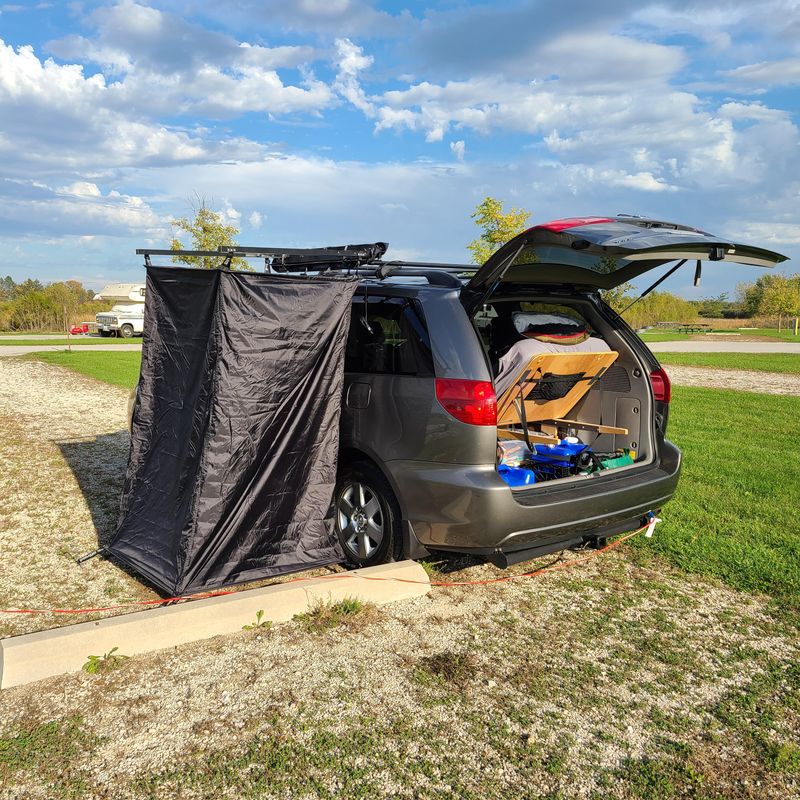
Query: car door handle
{"type": "Point", "coordinates": [358, 395]}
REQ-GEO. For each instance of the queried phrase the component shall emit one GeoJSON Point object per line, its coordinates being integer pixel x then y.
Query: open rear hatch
{"type": "Point", "coordinates": [575, 412]}
{"type": "Point", "coordinates": [603, 252]}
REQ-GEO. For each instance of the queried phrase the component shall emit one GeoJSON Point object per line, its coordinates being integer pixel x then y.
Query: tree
{"type": "Point", "coordinates": [781, 296]}
{"type": "Point", "coordinates": [713, 306]}
{"type": "Point", "coordinates": [497, 227]}
{"type": "Point", "coordinates": [27, 286]}
{"type": "Point", "coordinates": [208, 232]}
{"type": "Point", "coordinates": [7, 287]}
{"type": "Point", "coordinates": [617, 297]}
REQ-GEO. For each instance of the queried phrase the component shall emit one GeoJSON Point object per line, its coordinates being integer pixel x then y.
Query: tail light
{"type": "Point", "coordinates": [473, 402]}
{"type": "Point", "coordinates": [662, 388]}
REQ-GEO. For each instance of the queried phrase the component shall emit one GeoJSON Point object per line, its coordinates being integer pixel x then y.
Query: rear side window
{"type": "Point", "coordinates": [388, 336]}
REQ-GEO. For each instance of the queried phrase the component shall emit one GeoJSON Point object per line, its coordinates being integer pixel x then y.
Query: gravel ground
{"type": "Point", "coordinates": [745, 380]}
{"type": "Point", "coordinates": [612, 679]}
{"type": "Point", "coordinates": [63, 452]}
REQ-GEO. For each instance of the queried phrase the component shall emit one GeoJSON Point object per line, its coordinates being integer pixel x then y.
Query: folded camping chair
{"type": "Point", "coordinates": [547, 388]}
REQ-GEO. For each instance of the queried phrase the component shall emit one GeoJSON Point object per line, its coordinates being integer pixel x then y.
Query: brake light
{"type": "Point", "coordinates": [662, 388]}
{"type": "Point", "coordinates": [473, 402]}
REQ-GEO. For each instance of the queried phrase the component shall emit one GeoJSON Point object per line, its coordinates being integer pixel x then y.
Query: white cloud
{"type": "Point", "coordinates": [79, 210]}
{"type": "Point", "coordinates": [351, 62]}
{"type": "Point", "coordinates": [256, 220]}
{"type": "Point", "coordinates": [458, 149]}
{"type": "Point", "coordinates": [229, 215]}
{"type": "Point", "coordinates": [768, 233]}
{"type": "Point", "coordinates": [326, 17]}
{"type": "Point", "coordinates": [55, 118]}
{"type": "Point", "coordinates": [767, 74]}
{"type": "Point", "coordinates": [168, 65]}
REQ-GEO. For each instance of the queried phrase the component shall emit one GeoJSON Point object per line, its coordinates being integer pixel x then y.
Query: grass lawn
{"type": "Point", "coordinates": [121, 369]}
{"type": "Point", "coordinates": [664, 336]}
{"type": "Point", "coordinates": [772, 333]}
{"type": "Point", "coordinates": [787, 363]}
{"type": "Point", "coordinates": [25, 333]}
{"type": "Point", "coordinates": [61, 341]}
{"type": "Point", "coordinates": [735, 514]}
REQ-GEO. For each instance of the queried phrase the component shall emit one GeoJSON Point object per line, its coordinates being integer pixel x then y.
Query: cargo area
{"type": "Point", "coordinates": [574, 400]}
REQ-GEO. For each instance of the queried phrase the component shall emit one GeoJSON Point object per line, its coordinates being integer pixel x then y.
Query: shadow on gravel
{"type": "Point", "coordinates": [99, 466]}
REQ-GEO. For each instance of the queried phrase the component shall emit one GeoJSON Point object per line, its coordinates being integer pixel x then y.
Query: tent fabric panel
{"type": "Point", "coordinates": [169, 421]}
{"type": "Point", "coordinates": [269, 466]}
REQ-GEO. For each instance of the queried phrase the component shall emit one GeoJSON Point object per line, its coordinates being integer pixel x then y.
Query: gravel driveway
{"type": "Point", "coordinates": [581, 683]}
{"type": "Point", "coordinates": [63, 451]}
{"type": "Point", "coordinates": [744, 380]}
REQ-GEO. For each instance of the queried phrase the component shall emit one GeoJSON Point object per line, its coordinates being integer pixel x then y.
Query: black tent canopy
{"type": "Point", "coordinates": [235, 428]}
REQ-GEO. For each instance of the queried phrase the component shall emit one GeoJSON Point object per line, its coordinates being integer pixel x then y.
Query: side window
{"type": "Point", "coordinates": [388, 335]}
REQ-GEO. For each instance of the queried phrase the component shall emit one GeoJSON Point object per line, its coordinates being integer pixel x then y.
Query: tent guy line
{"type": "Point", "coordinates": [338, 576]}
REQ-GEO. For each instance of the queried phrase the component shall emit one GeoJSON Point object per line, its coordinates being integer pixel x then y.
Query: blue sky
{"type": "Point", "coordinates": [326, 121]}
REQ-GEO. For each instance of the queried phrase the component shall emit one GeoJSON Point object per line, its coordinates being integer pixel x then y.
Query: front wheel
{"type": "Point", "coordinates": [367, 517]}
{"type": "Point", "coordinates": [126, 331]}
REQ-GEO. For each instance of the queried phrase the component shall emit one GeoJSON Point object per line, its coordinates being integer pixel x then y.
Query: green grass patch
{"type": "Point", "coordinates": [734, 515]}
{"type": "Point", "coordinates": [772, 333]}
{"type": "Point", "coordinates": [322, 616]}
{"type": "Point", "coordinates": [46, 753]}
{"type": "Point", "coordinates": [61, 341]}
{"type": "Point", "coordinates": [119, 369]}
{"type": "Point", "coordinates": [667, 335]}
{"type": "Point", "coordinates": [787, 363]}
{"type": "Point", "coordinates": [664, 336]}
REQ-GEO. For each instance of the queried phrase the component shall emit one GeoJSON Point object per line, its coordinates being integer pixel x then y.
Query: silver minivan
{"type": "Point", "coordinates": [418, 466]}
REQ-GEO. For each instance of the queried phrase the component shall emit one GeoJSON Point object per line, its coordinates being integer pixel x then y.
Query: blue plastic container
{"type": "Point", "coordinates": [516, 476]}
{"type": "Point", "coordinates": [560, 453]}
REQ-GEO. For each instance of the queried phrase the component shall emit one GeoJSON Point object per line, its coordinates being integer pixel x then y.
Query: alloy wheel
{"type": "Point", "coordinates": [360, 519]}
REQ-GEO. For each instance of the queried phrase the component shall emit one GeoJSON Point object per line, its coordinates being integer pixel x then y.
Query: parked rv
{"type": "Point", "coordinates": [126, 318]}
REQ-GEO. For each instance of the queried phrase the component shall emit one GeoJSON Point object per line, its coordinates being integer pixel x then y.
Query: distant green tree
{"type": "Point", "coordinates": [781, 297]}
{"type": "Point", "coordinates": [7, 287]}
{"type": "Point", "coordinates": [208, 232]}
{"type": "Point", "coordinates": [27, 286]}
{"type": "Point", "coordinates": [497, 227]}
{"type": "Point", "coordinates": [618, 297]}
{"type": "Point", "coordinates": [713, 306]}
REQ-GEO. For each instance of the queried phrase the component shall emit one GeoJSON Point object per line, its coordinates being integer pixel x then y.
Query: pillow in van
{"type": "Point", "coordinates": [556, 328]}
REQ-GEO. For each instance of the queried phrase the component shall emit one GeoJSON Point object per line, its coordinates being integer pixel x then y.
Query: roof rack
{"type": "Point", "coordinates": [364, 260]}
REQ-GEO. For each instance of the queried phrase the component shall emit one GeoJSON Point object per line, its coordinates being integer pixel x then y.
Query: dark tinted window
{"type": "Point", "coordinates": [388, 336]}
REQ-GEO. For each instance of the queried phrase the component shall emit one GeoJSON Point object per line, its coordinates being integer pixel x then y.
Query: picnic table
{"type": "Point", "coordinates": [693, 327]}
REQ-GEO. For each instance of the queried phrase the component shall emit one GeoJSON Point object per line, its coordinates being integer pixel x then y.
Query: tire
{"type": "Point", "coordinates": [366, 516]}
{"type": "Point", "coordinates": [126, 331]}
{"type": "Point", "coordinates": [106, 334]}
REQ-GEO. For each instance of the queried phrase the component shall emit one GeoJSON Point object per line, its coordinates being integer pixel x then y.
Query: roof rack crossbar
{"type": "Point", "coordinates": [361, 259]}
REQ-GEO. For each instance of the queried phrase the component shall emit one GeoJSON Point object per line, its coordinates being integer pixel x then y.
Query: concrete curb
{"type": "Point", "coordinates": [33, 656]}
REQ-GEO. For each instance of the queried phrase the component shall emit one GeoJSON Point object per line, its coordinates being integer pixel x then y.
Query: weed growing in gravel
{"type": "Point", "coordinates": [431, 570]}
{"type": "Point", "coordinates": [455, 667]}
{"type": "Point", "coordinates": [105, 663]}
{"type": "Point", "coordinates": [264, 624]}
{"type": "Point", "coordinates": [322, 616]}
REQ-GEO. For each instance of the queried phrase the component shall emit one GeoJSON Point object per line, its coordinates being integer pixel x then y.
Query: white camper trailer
{"type": "Point", "coordinates": [126, 318]}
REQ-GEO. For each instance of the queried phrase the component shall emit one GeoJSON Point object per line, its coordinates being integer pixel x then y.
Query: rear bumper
{"type": "Point", "coordinates": [470, 509]}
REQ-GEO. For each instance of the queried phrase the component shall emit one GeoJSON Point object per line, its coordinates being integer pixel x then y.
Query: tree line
{"type": "Point", "coordinates": [34, 306]}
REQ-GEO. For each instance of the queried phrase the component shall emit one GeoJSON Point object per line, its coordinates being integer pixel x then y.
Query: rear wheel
{"type": "Point", "coordinates": [126, 331]}
{"type": "Point", "coordinates": [367, 516]}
